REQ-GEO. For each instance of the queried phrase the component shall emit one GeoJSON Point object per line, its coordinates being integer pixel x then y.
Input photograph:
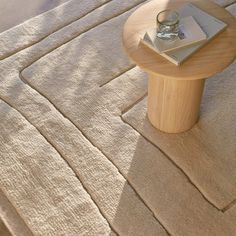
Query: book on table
{"type": "Point", "coordinates": [189, 33]}
{"type": "Point", "coordinates": [177, 52]}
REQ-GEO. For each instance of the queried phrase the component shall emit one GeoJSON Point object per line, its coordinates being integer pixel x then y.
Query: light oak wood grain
{"type": "Point", "coordinates": [174, 92]}
{"type": "Point", "coordinates": [173, 106]}
{"type": "Point", "coordinates": [209, 60]}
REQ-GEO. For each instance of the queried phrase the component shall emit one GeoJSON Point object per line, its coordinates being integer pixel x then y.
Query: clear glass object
{"type": "Point", "coordinates": [168, 25]}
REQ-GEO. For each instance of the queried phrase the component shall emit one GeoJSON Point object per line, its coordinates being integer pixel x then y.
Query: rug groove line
{"type": "Point", "coordinates": [3, 218]}
{"type": "Point", "coordinates": [72, 38]}
{"type": "Point", "coordinates": [12, 203]}
{"type": "Point", "coordinates": [133, 104]}
{"type": "Point", "coordinates": [229, 206]}
{"type": "Point", "coordinates": [176, 165]}
{"type": "Point", "coordinates": [229, 4]}
{"type": "Point", "coordinates": [54, 31]}
{"type": "Point", "coordinates": [106, 156]}
{"type": "Point", "coordinates": [22, 218]}
{"type": "Point", "coordinates": [66, 162]}
{"type": "Point", "coordinates": [67, 41]}
{"type": "Point", "coordinates": [24, 81]}
{"type": "Point", "coordinates": [118, 75]}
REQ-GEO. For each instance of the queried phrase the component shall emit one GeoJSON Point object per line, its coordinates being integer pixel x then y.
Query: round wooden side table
{"type": "Point", "coordinates": [174, 92]}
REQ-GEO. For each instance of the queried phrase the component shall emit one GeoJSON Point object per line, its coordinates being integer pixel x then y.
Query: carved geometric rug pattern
{"type": "Point", "coordinates": [78, 155]}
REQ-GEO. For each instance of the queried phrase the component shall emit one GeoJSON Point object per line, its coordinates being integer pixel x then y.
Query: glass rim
{"type": "Point", "coordinates": [168, 10]}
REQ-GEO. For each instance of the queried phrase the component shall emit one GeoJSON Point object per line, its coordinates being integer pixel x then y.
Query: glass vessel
{"type": "Point", "coordinates": [168, 25]}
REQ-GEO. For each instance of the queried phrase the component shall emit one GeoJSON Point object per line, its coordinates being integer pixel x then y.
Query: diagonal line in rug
{"type": "Point", "coordinates": [42, 84]}
{"type": "Point", "coordinates": [12, 220]}
{"type": "Point", "coordinates": [77, 64]}
{"type": "Point", "coordinates": [150, 225]}
{"type": "Point", "coordinates": [40, 184]}
{"type": "Point", "coordinates": [39, 27]}
{"type": "Point", "coordinates": [96, 111]}
{"type": "Point", "coordinates": [3, 230]}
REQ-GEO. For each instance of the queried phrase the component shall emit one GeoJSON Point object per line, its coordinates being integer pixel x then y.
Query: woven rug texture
{"type": "Point", "coordinates": [78, 155]}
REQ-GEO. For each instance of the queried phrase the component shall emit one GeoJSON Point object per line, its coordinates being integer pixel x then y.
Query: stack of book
{"type": "Point", "coordinates": [196, 29]}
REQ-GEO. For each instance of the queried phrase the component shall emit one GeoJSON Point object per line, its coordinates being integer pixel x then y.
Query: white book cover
{"type": "Point", "coordinates": [208, 23]}
{"type": "Point", "coordinates": [189, 33]}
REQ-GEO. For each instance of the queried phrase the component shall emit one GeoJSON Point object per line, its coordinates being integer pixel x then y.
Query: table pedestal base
{"type": "Point", "coordinates": [173, 105]}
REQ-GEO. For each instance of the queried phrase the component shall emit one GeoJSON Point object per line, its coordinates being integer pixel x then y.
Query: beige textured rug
{"type": "Point", "coordinates": [77, 153]}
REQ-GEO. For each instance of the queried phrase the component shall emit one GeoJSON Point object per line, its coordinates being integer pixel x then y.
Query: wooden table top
{"type": "Point", "coordinates": [212, 58]}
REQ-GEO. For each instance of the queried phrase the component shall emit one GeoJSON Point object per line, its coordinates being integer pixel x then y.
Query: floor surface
{"type": "Point", "coordinates": [78, 155]}
{"type": "Point", "coordinates": [14, 12]}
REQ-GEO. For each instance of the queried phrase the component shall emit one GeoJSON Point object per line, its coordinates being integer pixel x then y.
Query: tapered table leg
{"type": "Point", "coordinates": [173, 105]}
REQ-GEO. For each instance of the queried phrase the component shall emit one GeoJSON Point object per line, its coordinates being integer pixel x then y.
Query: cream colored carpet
{"type": "Point", "coordinates": [77, 153]}
{"type": "Point", "coordinates": [14, 12]}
